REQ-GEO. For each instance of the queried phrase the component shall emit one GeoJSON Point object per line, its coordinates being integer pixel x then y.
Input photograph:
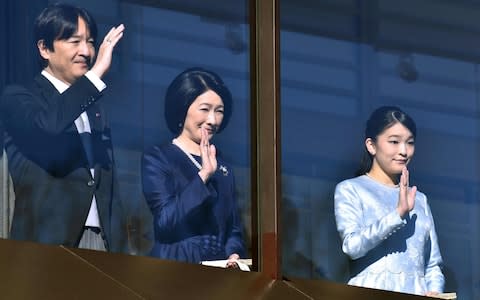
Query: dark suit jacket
{"type": "Point", "coordinates": [49, 167]}
{"type": "Point", "coordinates": [193, 221]}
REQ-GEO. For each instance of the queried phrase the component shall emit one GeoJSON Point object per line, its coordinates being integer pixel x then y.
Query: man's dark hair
{"type": "Point", "coordinates": [59, 22]}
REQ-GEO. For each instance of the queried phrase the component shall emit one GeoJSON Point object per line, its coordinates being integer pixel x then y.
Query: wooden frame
{"type": "Point", "coordinates": [265, 136]}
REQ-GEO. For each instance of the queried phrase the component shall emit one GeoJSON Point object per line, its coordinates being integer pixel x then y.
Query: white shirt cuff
{"type": "Point", "coordinates": [97, 82]}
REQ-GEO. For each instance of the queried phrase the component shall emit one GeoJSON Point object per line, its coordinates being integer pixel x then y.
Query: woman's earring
{"type": "Point", "coordinates": [180, 125]}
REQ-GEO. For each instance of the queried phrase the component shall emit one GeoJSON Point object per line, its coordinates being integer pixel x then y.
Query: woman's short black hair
{"type": "Point", "coordinates": [59, 22]}
{"type": "Point", "coordinates": [185, 88]}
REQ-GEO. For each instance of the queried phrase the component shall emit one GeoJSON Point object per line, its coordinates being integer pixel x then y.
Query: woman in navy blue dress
{"type": "Point", "coordinates": [188, 187]}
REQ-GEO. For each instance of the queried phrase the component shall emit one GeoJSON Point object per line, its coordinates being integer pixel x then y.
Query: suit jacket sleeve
{"type": "Point", "coordinates": [357, 238]}
{"type": "Point", "coordinates": [26, 111]}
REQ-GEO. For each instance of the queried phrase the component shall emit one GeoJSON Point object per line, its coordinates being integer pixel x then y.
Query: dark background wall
{"type": "Point", "coordinates": [339, 61]}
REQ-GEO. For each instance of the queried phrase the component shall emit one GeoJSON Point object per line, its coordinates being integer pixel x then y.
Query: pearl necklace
{"type": "Point", "coordinates": [194, 161]}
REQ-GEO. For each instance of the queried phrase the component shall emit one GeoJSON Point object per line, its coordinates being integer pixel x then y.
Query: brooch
{"type": "Point", "coordinates": [224, 170]}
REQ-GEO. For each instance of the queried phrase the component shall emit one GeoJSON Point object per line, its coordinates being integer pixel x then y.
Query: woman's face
{"type": "Point", "coordinates": [205, 112]}
{"type": "Point", "coordinates": [392, 150]}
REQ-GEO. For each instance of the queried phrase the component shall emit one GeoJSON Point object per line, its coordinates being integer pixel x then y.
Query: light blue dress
{"type": "Point", "coordinates": [387, 252]}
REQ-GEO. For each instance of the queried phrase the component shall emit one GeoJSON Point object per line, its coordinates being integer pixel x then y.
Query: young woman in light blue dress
{"type": "Point", "coordinates": [386, 226]}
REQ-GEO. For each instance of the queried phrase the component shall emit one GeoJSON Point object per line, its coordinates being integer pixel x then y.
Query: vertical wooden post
{"type": "Point", "coordinates": [266, 158]}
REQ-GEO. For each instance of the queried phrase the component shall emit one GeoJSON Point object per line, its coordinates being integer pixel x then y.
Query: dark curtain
{"type": "Point", "coordinates": [18, 58]}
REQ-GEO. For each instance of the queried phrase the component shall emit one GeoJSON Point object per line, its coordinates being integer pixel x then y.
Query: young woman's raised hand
{"type": "Point", "coordinates": [406, 197]}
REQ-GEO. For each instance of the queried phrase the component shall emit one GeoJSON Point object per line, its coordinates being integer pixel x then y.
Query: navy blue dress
{"type": "Point", "coordinates": [193, 221]}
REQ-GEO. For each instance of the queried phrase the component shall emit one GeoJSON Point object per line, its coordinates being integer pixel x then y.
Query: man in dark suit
{"type": "Point", "coordinates": [57, 141]}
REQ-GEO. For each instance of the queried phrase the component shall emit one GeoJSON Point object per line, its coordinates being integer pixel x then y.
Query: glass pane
{"type": "Point", "coordinates": [339, 61]}
{"type": "Point", "coordinates": [161, 39]}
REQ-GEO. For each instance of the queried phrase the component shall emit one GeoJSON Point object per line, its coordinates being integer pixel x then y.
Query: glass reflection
{"type": "Point", "coordinates": [163, 39]}
{"type": "Point", "coordinates": [339, 61]}
{"type": "Point", "coordinates": [188, 186]}
{"type": "Point", "coordinates": [385, 224]}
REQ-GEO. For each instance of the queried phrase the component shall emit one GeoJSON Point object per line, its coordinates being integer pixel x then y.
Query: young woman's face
{"type": "Point", "coordinates": [392, 150]}
{"type": "Point", "coordinates": [205, 112]}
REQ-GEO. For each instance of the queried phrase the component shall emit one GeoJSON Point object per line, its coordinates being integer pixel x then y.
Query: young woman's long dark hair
{"type": "Point", "coordinates": [381, 119]}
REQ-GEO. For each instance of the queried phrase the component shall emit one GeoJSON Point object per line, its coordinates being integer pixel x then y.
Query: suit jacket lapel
{"type": "Point", "coordinates": [46, 88]}
{"type": "Point", "coordinates": [48, 92]}
{"type": "Point", "coordinates": [95, 117]}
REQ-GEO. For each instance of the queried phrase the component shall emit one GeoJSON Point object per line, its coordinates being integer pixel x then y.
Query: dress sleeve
{"type": "Point", "coordinates": [170, 207]}
{"type": "Point", "coordinates": [358, 237]}
{"type": "Point", "coordinates": [235, 242]}
{"type": "Point", "coordinates": [433, 259]}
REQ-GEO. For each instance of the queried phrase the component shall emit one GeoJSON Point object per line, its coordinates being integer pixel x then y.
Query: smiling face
{"type": "Point", "coordinates": [205, 112]}
{"type": "Point", "coordinates": [70, 58]}
{"type": "Point", "coordinates": [391, 151]}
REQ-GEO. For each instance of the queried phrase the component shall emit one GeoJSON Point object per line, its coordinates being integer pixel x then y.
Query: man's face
{"type": "Point", "coordinates": [70, 58]}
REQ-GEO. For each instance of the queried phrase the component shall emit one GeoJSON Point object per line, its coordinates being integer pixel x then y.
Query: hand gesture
{"type": "Point", "coordinates": [104, 57]}
{"type": "Point", "coordinates": [406, 197]}
{"type": "Point", "coordinates": [208, 153]}
{"type": "Point", "coordinates": [232, 261]}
